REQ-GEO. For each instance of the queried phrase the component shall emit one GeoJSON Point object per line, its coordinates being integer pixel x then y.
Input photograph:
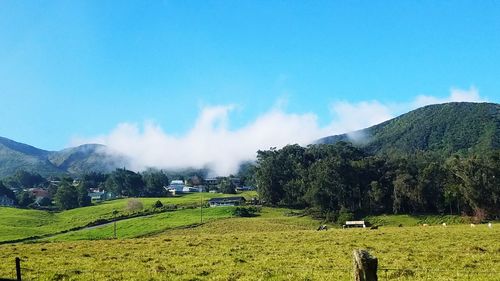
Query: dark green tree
{"type": "Point", "coordinates": [25, 198]}
{"type": "Point", "coordinates": [66, 197]}
{"type": "Point", "coordinates": [125, 182]}
{"type": "Point", "coordinates": [227, 186]}
{"type": "Point", "coordinates": [6, 191]}
{"type": "Point", "coordinates": [154, 183]}
{"type": "Point", "coordinates": [83, 195]}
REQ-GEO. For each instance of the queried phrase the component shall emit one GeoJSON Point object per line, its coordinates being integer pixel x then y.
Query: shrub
{"type": "Point", "coordinates": [344, 215]}
{"type": "Point", "coordinates": [157, 204]}
{"type": "Point", "coordinates": [134, 205]}
{"type": "Point", "coordinates": [245, 211]}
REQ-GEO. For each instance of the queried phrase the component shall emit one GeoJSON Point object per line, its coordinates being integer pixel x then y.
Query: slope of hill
{"type": "Point", "coordinates": [86, 158]}
{"type": "Point", "coordinates": [16, 156]}
{"type": "Point", "coordinates": [442, 128]}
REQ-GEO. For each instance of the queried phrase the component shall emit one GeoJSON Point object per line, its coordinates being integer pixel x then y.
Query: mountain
{"type": "Point", "coordinates": [87, 158]}
{"type": "Point", "coordinates": [16, 156]}
{"type": "Point", "coordinates": [442, 128]}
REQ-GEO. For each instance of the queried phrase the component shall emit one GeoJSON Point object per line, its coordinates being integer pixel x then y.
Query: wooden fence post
{"type": "Point", "coordinates": [18, 269]}
{"type": "Point", "coordinates": [365, 266]}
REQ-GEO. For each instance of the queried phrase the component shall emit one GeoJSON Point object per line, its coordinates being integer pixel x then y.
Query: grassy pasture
{"type": "Point", "coordinates": [20, 223]}
{"type": "Point", "coordinates": [269, 247]}
{"type": "Point", "coordinates": [148, 225]}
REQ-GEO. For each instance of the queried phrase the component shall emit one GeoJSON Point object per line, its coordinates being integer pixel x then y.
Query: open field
{"type": "Point", "coordinates": [269, 247]}
{"type": "Point", "coordinates": [20, 223]}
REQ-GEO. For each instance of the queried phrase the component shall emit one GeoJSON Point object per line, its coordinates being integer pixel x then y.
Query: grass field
{"type": "Point", "coordinates": [20, 223]}
{"type": "Point", "coordinates": [269, 247]}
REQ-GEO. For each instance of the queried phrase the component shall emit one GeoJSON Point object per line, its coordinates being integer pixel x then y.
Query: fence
{"type": "Point", "coordinates": [289, 273]}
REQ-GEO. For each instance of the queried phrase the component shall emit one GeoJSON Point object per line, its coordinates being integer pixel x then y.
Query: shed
{"type": "Point", "coordinates": [349, 224]}
{"type": "Point", "coordinates": [227, 201]}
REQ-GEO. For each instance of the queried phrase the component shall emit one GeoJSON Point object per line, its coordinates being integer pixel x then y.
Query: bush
{"type": "Point", "coordinates": [246, 211]}
{"type": "Point", "coordinates": [157, 204]}
{"type": "Point", "coordinates": [344, 215]}
{"type": "Point", "coordinates": [134, 205]}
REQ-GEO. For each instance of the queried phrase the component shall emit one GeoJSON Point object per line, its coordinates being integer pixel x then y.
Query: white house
{"type": "Point", "coordinates": [176, 186]}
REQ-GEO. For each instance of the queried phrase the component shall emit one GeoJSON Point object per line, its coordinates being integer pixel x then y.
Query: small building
{"type": "Point", "coordinates": [349, 224]}
{"type": "Point", "coordinates": [102, 195]}
{"type": "Point", "coordinates": [227, 201]}
{"type": "Point", "coordinates": [7, 201]}
{"type": "Point", "coordinates": [212, 183]}
{"type": "Point", "coordinates": [176, 186]}
{"type": "Point", "coordinates": [192, 189]}
{"type": "Point", "coordinates": [39, 192]}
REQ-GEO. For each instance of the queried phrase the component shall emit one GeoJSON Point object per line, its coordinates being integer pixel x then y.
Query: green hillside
{"type": "Point", "coordinates": [444, 128]}
{"type": "Point", "coordinates": [21, 223]}
{"type": "Point", "coordinates": [15, 156]}
{"type": "Point", "coordinates": [86, 158]}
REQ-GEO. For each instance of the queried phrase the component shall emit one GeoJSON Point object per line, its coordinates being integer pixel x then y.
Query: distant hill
{"type": "Point", "coordinates": [16, 156]}
{"type": "Point", "coordinates": [443, 128]}
{"type": "Point", "coordinates": [87, 158]}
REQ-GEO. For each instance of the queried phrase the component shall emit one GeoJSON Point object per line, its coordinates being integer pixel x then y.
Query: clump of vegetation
{"type": "Point", "coordinates": [246, 211]}
{"type": "Point", "coordinates": [157, 204]}
{"type": "Point", "coordinates": [344, 215]}
{"type": "Point", "coordinates": [134, 205]}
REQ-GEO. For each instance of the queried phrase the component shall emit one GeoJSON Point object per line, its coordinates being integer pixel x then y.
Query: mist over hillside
{"type": "Point", "coordinates": [443, 128]}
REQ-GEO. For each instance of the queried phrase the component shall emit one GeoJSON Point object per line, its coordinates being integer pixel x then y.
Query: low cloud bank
{"type": "Point", "coordinates": [210, 142]}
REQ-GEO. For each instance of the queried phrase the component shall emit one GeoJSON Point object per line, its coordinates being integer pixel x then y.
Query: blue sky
{"type": "Point", "coordinates": [78, 69]}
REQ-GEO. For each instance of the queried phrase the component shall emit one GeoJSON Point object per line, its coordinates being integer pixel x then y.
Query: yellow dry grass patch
{"type": "Point", "coordinates": [270, 247]}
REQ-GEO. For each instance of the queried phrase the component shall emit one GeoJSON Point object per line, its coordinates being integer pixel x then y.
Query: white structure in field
{"type": "Point", "coordinates": [354, 224]}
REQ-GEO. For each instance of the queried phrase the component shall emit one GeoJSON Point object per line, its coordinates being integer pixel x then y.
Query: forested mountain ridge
{"type": "Point", "coordinates": [15, 156]}
{"type": "Point", "coordinates": [442, 128]}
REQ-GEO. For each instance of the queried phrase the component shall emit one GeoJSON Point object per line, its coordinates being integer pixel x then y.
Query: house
{"type": "Point", "coordinates": [212, 183]}
{"type": "Point", "coordinates": [6, 201]}
{"type": "Point", "coordinates": [192, 189]}
{"type": "Point", "coordinates": [176, 186]}
{"type": "Point", "coordinates": [349, 224]}
{"type": "Point", "coordinates": [39, 193]}
{"type": "Point", "coordinates": [227, 201]}
{"type": "Point", "coordinates": [101, 195]}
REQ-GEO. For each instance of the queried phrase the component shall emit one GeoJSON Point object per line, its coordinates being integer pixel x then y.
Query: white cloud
{"type": "Point", "coordinates": [354, 116]}
{"type": "Point", "coordinates": [210, 142]}
{"type": "Point", "coordinates": [456, 95]}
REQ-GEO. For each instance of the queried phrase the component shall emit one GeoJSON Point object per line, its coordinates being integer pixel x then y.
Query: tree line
{"type": "Point", "coordinates": [339, 180]}
{"type": "Point", "coordinates": [66, 192]}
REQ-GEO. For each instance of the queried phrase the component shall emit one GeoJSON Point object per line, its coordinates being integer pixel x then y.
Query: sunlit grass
{"type": "Point", "coordinates": [269, 247]}
{"type": "Point", "coordinates": [19, 223]}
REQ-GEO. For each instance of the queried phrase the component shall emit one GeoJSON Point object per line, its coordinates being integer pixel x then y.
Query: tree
{"type": "Point", "coordinates": [157, 204]}
{"type": "Point", "coordinates": [227, 186]}
{"type": "Point", "coordinates": [154, 183]}
{"type": "Point", "coordinates": [6, 191]}
{"type": "Point", "coordinates": [478, 181]}
{"type": "Point", "coordinates": [83, 195]}
{"type": "Point", "coordinates": [125, 182]}
{"type": "Point", "coordinates": [25, 198]}
{"type": "Point", "coordinates": [66, 197]}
